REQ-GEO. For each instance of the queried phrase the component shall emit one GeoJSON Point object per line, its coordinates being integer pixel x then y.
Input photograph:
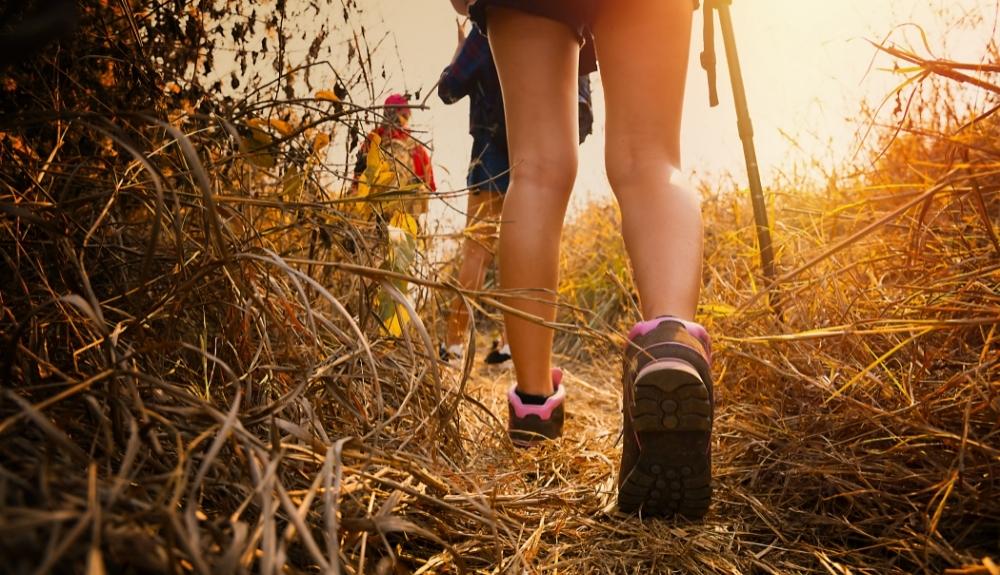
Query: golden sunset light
{"type": "Point", "coordinates": [352, 287]}
{"type": "Point", "coordinates": [808, 66]}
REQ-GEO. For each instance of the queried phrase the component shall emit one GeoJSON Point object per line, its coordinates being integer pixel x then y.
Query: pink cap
{"type": "Point", "coordinates": [397, 100]}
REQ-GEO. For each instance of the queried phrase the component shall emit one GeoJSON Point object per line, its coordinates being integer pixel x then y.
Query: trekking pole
{"type": "Point", "coordinates": [745, 128]}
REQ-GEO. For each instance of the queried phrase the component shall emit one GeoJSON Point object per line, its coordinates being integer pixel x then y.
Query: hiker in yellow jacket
{"type": "Point", "coordinates": [394, 178]}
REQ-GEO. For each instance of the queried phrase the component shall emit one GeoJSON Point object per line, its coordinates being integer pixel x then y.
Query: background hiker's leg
{"type": "Point", "coordinates": [477, 251]}
{"type": "Point", "coordinates": [538, 61]}
{"type": "Point", "coordinates": [642, 47]}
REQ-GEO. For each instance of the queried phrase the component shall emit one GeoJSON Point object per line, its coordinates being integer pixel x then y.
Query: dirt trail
{"type": "Point", "coordinates": [772, 465]}
{"type": "Point", "coordinates": [564, 493]}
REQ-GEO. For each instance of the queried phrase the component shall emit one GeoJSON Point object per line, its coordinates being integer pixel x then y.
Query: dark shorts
{"type": "Point", "coordinates": [489, 169]}
{"type": "Point", "coordinates": [577, 14]}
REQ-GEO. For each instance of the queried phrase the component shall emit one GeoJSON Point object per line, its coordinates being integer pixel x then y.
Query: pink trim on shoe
{"type": "Point", "coordinates": [545, 410]}
{"type": "Point", "coordinates": [695, 329]}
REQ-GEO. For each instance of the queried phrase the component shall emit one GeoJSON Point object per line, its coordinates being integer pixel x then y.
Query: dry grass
{"type": "Point", "coordinates": [194, 378]}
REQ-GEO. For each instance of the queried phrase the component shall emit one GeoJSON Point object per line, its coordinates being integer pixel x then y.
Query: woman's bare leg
{"type": "Point", "coordinates": [477, 252]}
{"type": "Point", "coordinates": [642, 47]}
{"type": "Point", "coordinates": [537, 60]}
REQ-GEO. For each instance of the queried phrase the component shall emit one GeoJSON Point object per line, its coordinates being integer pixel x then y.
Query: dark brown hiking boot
{"type": "Point", "coordinates": [531, 424]}
{"type": "Point", "coordinates": [668, 407]}
{"type": "Point", "coordinates": [499, 355]}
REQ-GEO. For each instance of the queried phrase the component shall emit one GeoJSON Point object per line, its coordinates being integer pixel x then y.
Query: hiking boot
{"type": "Point", "coordinates": [532, 424]}
{"type": "Point", "coordinates": [451, 354]}
{"type": "Point", "coordinates": [667, 406]}
{"type": "Point", "coordinates": [498, 355]}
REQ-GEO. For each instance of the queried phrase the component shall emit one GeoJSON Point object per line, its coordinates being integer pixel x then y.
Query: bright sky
{"type": "Point", "coordinates": [805, 64]}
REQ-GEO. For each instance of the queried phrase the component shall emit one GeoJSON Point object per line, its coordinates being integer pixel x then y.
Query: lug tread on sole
{"type": "Point", "coordinates": [672, 416]}
{"type": "Point", "coordinates": [660, 490]}
{"type": "Point", "coordinates": [671, 401]}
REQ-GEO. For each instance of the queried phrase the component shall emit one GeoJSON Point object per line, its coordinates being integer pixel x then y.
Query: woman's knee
{"type": "Point", "coordinates": [637, 169]}
{"type": "Point", "coordinates": [635, 180]}
{"type": "Point", "coordinates": [546, 173]}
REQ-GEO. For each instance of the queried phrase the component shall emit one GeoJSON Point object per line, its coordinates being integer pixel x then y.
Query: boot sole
{"type": "Point", "coordinates": [672, 419]}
